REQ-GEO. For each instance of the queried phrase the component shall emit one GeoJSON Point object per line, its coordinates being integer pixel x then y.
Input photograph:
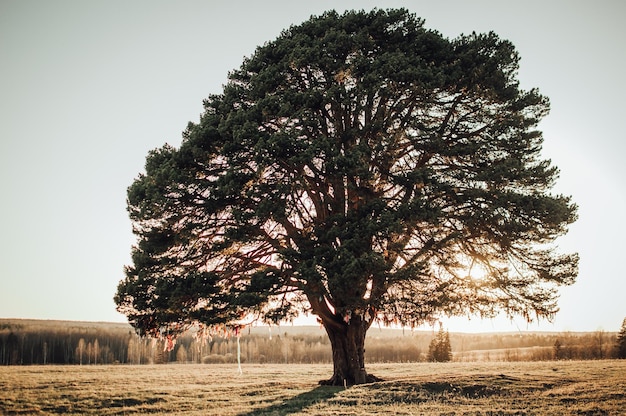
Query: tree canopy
{"type": "Point", "coordinates": [362, 168]}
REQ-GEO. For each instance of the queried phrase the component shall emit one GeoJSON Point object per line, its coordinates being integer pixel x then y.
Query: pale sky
{"type": "Point", "coordinates": [87, 88]}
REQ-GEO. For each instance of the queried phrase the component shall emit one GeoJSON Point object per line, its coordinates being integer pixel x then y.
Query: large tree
{"type": "Point", "coordinates": [361, 168]}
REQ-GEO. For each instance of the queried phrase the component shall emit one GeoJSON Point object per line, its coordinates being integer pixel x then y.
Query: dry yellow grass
{"type": "Point", "coordinates": [545, 388]}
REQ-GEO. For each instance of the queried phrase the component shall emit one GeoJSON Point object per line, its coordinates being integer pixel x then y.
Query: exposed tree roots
{"type": "Point", "coordinates": [338, 381]}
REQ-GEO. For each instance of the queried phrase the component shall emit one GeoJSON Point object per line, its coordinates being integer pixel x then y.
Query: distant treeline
{"type": "Point", "coordinates": [24, 342]}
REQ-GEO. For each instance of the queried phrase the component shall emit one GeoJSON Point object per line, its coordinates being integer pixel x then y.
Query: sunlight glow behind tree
{"type": "Point", "coordinates": [359, 167]}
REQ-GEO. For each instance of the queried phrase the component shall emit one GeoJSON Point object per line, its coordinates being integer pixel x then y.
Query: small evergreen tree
{"type": "Point", "coordinates": [440, 349]}
{"type": "Point", "coordinates": [621, 341]}
{"type": "Point", "coordinates": [558, 350]}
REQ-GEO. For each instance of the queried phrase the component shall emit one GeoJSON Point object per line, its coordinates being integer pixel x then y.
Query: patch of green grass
{"type": "Point", "coordinates": [555, 388]}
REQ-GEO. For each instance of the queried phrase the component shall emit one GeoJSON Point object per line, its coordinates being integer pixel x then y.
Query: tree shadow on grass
{"type": "Point", "coordinates": [297, 403]}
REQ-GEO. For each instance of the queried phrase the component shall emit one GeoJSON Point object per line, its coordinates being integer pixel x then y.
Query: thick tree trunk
{"type": "Point", "coordinates": [348, 345]}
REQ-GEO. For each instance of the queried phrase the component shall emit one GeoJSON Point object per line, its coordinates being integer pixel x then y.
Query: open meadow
{"type": "Point", "coordinates": [525, 388]}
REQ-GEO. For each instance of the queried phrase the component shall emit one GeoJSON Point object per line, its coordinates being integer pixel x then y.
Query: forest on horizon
{"type": "Point", "coordinates": [24, 342]}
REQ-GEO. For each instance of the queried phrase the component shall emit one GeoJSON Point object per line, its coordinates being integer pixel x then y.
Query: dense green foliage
{"type": "Point", "coordinates": [360, 167]}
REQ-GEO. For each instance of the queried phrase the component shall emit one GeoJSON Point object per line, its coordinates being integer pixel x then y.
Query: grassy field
{"type": "Point", "coordinates": [534, 388]}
